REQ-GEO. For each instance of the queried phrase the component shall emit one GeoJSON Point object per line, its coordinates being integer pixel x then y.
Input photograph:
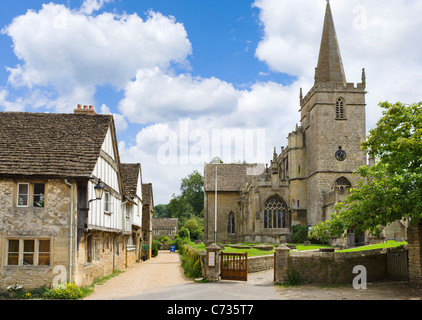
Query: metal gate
{"type": "Point", "coordinates": [234, 266]}
{"type": "Point", "coordinates": [397, 265]}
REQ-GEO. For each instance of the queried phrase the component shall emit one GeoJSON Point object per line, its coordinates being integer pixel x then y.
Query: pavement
{"type": "Point", "coordinates": [162, 278]}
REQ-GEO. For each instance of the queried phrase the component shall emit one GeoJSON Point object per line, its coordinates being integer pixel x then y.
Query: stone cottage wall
{"type": "Point", "coordinates": [48, 223]}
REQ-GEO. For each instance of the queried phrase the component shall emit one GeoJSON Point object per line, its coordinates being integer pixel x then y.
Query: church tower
{"type": "Point", "coordinates": [333, 117]}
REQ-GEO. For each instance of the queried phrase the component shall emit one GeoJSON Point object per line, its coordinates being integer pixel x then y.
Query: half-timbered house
{"type": "Point", "coordinates": [53, 226]}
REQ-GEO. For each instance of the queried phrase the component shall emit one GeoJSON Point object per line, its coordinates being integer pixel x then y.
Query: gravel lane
{"type": "Point", "coordinates": [162, 271]}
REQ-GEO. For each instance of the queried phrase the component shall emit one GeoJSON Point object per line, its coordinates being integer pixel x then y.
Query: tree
{"type": "Point", "coordinates": [161, 211]}
{"type": "Point", "coordinates": [192, 188]}
{"type": "Point", "coordinates": [391, 189]}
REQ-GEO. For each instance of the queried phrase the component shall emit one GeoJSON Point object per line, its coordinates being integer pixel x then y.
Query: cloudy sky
{"type": "Point", "coordinates": [190, 80]}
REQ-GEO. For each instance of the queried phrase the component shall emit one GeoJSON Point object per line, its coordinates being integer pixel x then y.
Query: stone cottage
{"type": "Point", "coordinates": [164, 227]}
{"type": "Point", "coordinates": [53, 226]}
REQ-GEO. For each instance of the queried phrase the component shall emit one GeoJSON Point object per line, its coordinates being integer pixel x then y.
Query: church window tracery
{"type": "Point", "coordinates": [275, 213]}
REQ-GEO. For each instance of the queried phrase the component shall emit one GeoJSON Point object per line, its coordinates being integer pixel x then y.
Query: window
{"type": "Point", "coordinates": [108, 202]}
{"type": "Point", "coordinates": [28, 252]}
{"type": "Point", "coordinates": [340, 109]}
{"type": "Point", "coordinates": [38, 197]}
{"type": "Point", "coordinates": [275, 213]}
{"type": "Point", "coordinates": [343, 184]}
{"type": "Point", "coordinates": [44, 253]}
{"type": "Point", "coordinates": [169, 232]}
{"type": "Point", "coordinates": [231, 226]}
{"type": "Point", "coordinates": [27, 191]}
{"type": "Point", "coordinates": [13, 253]}
{"type": "Point", "coordinates": [23, 194]}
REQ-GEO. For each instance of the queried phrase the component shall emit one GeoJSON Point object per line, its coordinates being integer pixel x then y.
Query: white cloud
{"type": "Point", "coordinates": [89, 6]}
{"type": "Point", "coordinates": [158, 96]}
{"type": "Point", "coordinates": [62, 49]}
{"type": "Point", "coordinates": [119, 120]}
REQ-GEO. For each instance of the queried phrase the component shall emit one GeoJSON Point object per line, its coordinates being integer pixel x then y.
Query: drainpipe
{"type": "Point", "coordinates": [71, 230]}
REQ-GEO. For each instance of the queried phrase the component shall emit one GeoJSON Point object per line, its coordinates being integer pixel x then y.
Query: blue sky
{"type": "Point", "coordinates": [165, 68]}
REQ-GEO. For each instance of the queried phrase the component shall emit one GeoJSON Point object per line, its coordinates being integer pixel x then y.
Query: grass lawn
{"type": "Point", "coordinates": [300, 247]}
{"type": "Point", "coordinates": [256, 252]}
{"type": "Point", "coordinates": [386, 244]}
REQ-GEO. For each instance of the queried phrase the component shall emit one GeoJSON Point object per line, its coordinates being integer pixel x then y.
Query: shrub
{"type": "Point", "coordinates": [299, 233]}
{"type": "Point", "coordinates": [184, 233]}
{"type": "Point", "coordinates": [65, 291]}
{"type": "Point", "coordinates": [155, 247]}
{"type": "Point", "coordinates": [191, 262]}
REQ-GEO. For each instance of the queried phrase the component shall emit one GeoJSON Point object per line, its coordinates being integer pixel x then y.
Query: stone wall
{"type": "Point", "coordinates": [50, 222]}
{"type": "Point", "coordinates": [335, 267]}
{"type": "Point", "coordinates": [260, 263]}
{"type": "Point", "coordinates": [414, 238]}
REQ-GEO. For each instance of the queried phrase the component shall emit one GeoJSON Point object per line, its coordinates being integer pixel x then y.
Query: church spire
{"type": "Point", "coordinates": [330, 66]}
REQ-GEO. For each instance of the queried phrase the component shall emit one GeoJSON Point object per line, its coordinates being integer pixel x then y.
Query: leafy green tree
{"type": "Point", "coordinates": [192, 188]}
{"type": "Point", "coordinates": [391, 189]}
{"type": "Point", "coordinates": [195, 228]}
{"type": "Point", "coordinates": [161, 211]}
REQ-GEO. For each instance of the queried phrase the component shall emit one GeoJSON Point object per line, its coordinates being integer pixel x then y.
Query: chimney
{"type": "Point", "coordinates": [85, 110]}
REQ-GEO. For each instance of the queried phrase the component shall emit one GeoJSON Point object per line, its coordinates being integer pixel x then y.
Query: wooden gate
{"type": "Point", "coordinates": [234, 266]}
{"type": "Point", "coordinates": [397, 265]}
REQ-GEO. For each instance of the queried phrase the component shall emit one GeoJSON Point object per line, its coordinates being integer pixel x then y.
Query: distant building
{"type": "Point", "coordinates": [164, 227]}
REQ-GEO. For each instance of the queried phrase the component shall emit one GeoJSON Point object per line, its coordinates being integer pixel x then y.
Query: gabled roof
{"type": "Point", "coordinates": [164, 223]}
{"type": "Point", "coordinates": [53, 145]}
{"type": "Point", "coordinates": [230, 177]}
{"type": "Point", "coordinates": [130, 173]}
{"type": "Point", "coordinates": [330, 65]}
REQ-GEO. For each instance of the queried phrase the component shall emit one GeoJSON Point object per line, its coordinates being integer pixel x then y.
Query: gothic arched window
{"type": "Point", "coordinates": [231, 224]}
{"type": "Point", "coordinates": [275, 211]}
{"type": "Point", "coordinates": [340, 109]}
{"type": "Point", "coordinates": [343, 184]}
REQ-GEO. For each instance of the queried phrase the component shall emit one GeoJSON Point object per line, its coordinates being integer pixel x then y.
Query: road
{"type": "Point", "coordinates": [162, 278]}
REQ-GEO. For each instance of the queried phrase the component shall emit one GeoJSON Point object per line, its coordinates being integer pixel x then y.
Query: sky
{"type": "Point", "coordinates": [190, 80]}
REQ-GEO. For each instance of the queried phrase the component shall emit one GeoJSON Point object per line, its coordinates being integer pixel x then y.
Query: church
{"type": "Point", "coordinates": [306, 178]}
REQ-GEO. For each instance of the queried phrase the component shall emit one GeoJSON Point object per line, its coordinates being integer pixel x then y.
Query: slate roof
{"type": "Point", "coordinates": [54, 145]}
{"type": "Point", "coordinates": [130, 172]}
{"type": "Point", "coordinates": [230, 177]}
{"type": "Point", "coordinates": [164, 223]}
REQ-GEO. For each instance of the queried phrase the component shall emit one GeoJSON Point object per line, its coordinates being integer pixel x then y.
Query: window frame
{"type": "Point", "coordinates": [30, 195]}
{"type": "Point", "coordinates": [38, 194]}
{"type": "Point", "coordinates": [108, 203]}
{"type": "Point", "coordinates": [19, 194]}
{"type": "Point", "coordinates": [35, 253]}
